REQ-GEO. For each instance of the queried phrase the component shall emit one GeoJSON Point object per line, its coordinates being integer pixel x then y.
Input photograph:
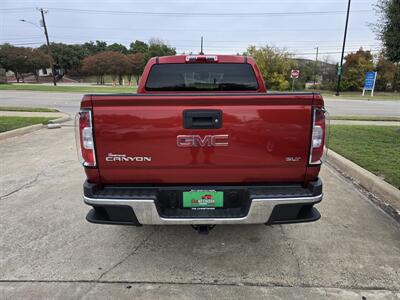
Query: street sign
{"type": "Point", "coordinates": [295, 74]}
{"type": "Point", "coordinates": [369, 82]}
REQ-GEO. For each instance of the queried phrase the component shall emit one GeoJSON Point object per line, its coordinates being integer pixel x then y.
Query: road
{"type": "Point", "coordinates": [69, 103]}
{"type": "Point", "coordinates": [66, 102]}
{"type": "Point", "coordinates": [48, 250]}
{"type": "Point", "coordinates": [348, 107]}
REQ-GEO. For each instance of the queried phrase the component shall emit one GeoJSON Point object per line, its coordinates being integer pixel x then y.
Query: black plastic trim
{"type": "Point", "coordinates": [293, 213]}
{"type": "Point", "coordinates": [207, 118]}
{"type": "Point", "coordinates": [149, 191]}
{"type": "Point", "coordinates": [112, 215]}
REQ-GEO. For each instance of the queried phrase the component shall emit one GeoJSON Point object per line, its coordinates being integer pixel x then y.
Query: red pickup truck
{"type": "Point", "coordinates": [202, 143]}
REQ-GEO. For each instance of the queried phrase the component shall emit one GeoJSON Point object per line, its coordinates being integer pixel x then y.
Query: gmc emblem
{"type": "Point", "coordinates": [219, 140]}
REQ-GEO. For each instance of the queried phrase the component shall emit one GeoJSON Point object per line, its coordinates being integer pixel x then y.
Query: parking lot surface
{"type": "Point", "coordinates": [48, 250]}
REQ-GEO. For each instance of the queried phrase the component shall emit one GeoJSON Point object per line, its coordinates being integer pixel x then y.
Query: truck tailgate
{"type": "Point", "coordinates": [136, 138]}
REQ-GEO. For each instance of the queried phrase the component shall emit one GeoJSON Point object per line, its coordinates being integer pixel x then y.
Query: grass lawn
{"type": "Point", "coordinates": [375, 148]}
{"type": "Point", "coordinates": [364, 118]}
{"type": "Point", "coordinates": [10, 123]}
{"type": "Point", "coordinates": [357, 95]}
{"type": "Point", "coordinates": [68, 89]}
{"type": "Point", "coordinates": [28, 109]}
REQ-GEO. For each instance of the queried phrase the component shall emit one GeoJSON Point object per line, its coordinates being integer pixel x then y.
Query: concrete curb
{"type": "Point", "coordinates": [61, 120]}
{"type": "Point", "coordinates": [20, 131]}
{"type": "Point", "coordinates": [387, 195]}
{"type": "Point", "coordinates": [32, 128]}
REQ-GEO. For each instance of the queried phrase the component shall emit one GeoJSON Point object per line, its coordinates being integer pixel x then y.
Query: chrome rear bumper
{"type": "Point", "coordinates": [260, 211]}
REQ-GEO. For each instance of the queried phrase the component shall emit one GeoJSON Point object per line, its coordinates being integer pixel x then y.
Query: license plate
{"type": "Point", "coordinates": [193, 199]}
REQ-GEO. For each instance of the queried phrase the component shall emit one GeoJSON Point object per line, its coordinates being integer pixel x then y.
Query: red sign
{"type": "Point", "coordinates": [295, 74]}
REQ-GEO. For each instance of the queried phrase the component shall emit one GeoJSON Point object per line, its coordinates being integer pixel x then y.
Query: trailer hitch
{"type": "Point", "coordinates": [203, 229]}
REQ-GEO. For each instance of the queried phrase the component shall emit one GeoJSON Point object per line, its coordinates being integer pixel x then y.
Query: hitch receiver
{"type": "Point", "coordinates": [203, 229]}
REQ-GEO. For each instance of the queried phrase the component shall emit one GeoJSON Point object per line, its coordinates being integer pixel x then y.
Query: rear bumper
{"type": "Point", "coordinates": [140, 206]}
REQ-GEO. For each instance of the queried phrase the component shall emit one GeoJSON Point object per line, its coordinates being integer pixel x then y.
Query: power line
{"type": "Point", "coordinates": [336, 52]}
{"type": "Point", "coordinates": [178, 43]}
{"type": "Point", "coordinates": [238, 44]}
{"type": "Point", "coordinates": [269, 29]}
{"type": "Point", "coordinates": [194, 14]}
{"type": "Point", "coordinates": [25, 44]}
{"type": "Point", "coordinates": [17, 9]}
{"type": "Point", "coordinates": [234, 49]}
{"type": "Point", "coordinates": [326, 43]}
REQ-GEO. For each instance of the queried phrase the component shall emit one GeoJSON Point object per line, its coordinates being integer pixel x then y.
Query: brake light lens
{"type": "Point", "coordinates": [84, 138]}
{"type": "Point", "coordinates": [201, 58]}
{"type": "Point", "coordinates": [318, 136]}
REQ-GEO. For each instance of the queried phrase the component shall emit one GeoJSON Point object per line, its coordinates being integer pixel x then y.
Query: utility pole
{"type": "Point", "coordinates": [42, 11]}
{"type": "Point", "coordinates": [344, 45]}
{"type": "Point", "coordinates": [201, 46]}
{"type": "Point", "coordinates": [315, 68]}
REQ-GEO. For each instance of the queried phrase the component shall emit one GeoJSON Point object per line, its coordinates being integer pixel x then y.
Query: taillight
{"type": "Point", "coordinates": [201, 58]}
{"type": "Point", "coordinates": [84, 138]}
{"type": "Point", "coordinates": [318, 136]}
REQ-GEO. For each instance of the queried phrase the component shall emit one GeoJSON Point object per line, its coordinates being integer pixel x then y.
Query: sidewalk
{"type": "Point", "coordinates": [376, 123]}
{"type": "Point", "coordinates": [33, 114]}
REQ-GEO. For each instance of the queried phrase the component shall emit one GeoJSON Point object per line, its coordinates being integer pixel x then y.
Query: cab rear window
{"type": "Point", "coordinates": [201, 77]}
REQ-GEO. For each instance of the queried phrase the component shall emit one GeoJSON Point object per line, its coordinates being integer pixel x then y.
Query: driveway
{"type": "Point", "coordinates": [48, 250]}
{"type": "Point", "coordinates": [69, 103]}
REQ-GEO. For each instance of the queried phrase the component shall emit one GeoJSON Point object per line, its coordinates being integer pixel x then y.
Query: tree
{"type": "Point", "coordinates": [117, 65]}
{"type": "Point", "coordinates": [139, 47]}
{"type": "Point", "coordinates": [159, 48]}
{"type": "Point", "coordinates": [155, 47]}
{"type": "Point", "coordinates": [308, 69]}
{"type": "Point", "coordinates": [328, 69]}
{"type": "Point", "coordinates": [117, 48]}
{"type": "Point", "coordinates": [38, 60]}
{"type": "Point", "coordinates": [396, 79]}
{"type": "Point", "coordinates": [95, 65]}
{"type": "Point", "coordinates": [386, 74]}
{"type": "Point", "coordinates": [388, 28]}
{"type": "Point", "coordinates": [274, 65]}
{"type": "Point", "coordinates": [354, 69]}
{"type": "Point", "coordinates": [22, 61]}
{"type": "Point", "coordinates": [108, 62]}
{"type": "Point", "coordinates": [67, 57]}
{"type": "Point", "coordinates": [137, 63]}
{"type": "Point", "coordinates": [13, 59]}
{"type": "Point", "coordinates": [92, 48]}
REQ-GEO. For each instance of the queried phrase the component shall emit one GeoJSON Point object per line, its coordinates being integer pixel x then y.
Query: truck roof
{"type": "Point", "coordinates": [221, 58]}
{"type": "Point", "coordinates": [200, 59]}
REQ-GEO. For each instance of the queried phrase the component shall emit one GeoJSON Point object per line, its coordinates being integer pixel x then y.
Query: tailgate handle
{"type": "Point", "coordinates": [202, 119]}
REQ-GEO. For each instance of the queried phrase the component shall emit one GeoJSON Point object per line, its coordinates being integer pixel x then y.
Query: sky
{"type": "Point", "coordinates": [228, 27]}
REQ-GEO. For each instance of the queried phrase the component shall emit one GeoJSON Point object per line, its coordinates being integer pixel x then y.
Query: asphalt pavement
{"type": "Point", "coordinates": [65, 102]}
{"type": "Point", "coordinates": [48, 250]}
{"type": "Point", "coordinates": [351, 107]}
{"type": "Point", "coordinates": [69, 103]}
